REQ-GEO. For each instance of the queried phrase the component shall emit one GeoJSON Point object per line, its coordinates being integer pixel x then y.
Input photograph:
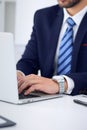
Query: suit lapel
{"type": "Point", "coordinates": [55, 31]}
{"type": "Point", "coordinates": [54, 40]}
{"type": "Point", "coordinates": [78, 40]}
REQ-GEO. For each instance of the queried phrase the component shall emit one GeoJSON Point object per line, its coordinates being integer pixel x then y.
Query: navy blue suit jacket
{"type": "Point", "coordinates": [41, 48]}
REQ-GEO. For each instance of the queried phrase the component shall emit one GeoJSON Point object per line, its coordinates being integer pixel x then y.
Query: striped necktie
{"type": "Point", "coordinates": [65, 50]}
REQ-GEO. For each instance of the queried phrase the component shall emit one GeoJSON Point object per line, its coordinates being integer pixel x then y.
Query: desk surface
{"type": "Point", "coordinates": [55, 114]}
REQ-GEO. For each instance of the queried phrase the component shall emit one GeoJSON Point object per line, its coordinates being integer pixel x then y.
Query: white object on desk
{"type": "Point", "coordinates": [81, 99]}
{"type": "Point", "coordinates": [55, 114]}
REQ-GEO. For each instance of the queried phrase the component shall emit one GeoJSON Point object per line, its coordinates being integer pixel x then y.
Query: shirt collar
{"type": "Point", "coordinates": [77, 17]}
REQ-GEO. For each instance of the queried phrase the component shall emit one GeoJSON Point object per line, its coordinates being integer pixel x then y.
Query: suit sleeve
{"type": "Point", "coordinates": [80, 80]}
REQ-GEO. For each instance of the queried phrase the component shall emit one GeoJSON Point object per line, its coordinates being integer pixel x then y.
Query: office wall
{"type": "Point", "coordinates": [9, 20]}
{"type": "Point", "coordinates": [16, 16]}
{"type": "Point", "coordinates": [7, 15]}
{"type": "Point", "coordinates": [25, 10]}
{"type": "Point", "coordinates": [1, 16]}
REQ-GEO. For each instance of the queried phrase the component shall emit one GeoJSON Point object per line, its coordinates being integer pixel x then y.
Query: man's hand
{"type": "Point", "coordinates": [33, 82]}
{"type": "Point", "coordinates": [20, 78]}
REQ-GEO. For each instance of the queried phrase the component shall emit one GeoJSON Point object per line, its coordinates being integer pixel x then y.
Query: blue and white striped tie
{"type": "Point", "coordinates": [65, 50]}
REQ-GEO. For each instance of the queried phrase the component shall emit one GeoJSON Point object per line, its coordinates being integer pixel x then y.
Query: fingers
{"type": "Point", "coordinates": [23, 86]}
{"type": "Point", "coordinates": [27, 82]}
{"type": "Point", "coordinates": [36, 83]}
{"type": "Point", "coordinates": [32, 88]}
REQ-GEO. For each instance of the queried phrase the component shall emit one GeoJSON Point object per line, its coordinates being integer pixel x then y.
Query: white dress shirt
{"type": "Point", "coordinates": [77, 19]}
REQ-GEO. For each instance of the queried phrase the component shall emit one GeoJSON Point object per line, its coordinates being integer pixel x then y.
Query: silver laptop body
{"type": "Point", "coordinates": [8, 77]}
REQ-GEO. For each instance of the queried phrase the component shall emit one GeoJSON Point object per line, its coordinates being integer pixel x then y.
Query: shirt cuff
{"type": "Point", "coordinates": [70, 83]}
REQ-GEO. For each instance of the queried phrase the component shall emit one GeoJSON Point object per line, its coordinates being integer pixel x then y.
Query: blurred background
{"type": "Point", "coordinates": [16, 16]}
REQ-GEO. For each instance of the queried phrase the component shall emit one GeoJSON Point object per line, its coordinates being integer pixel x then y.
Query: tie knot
{"type": "Point", "coordinates": [70, 22]}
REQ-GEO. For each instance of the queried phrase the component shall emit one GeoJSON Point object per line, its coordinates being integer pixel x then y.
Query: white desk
{"type": "Point", "coordinates": [56, 114]}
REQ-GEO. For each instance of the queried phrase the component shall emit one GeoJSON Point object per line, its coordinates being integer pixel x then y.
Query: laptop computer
{"type": "Point", "coordinates": [8, 77]}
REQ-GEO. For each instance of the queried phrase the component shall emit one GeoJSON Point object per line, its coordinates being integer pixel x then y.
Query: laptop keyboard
{"type": "Point", "coordinates": [31, 95]}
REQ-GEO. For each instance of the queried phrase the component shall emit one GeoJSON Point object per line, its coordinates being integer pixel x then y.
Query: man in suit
{"type": "Point", "coordinates": [42, 51]}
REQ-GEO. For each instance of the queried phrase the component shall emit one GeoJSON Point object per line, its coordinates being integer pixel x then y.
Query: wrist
{"type": "Point", "coordinates": [20, 72]}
